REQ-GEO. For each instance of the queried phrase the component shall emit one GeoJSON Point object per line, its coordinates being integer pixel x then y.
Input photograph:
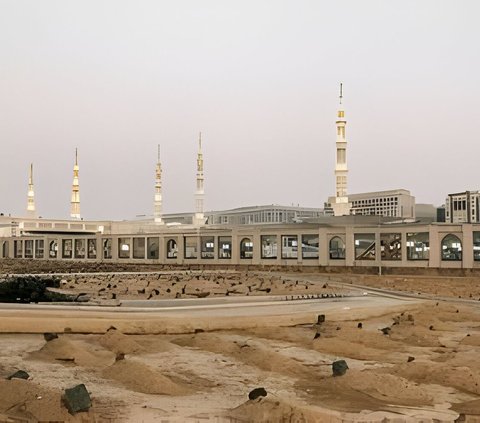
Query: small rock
{"type": "Point", "coordinates": [120, 356]}
{"type": "Point", "coordinates": [317, 335]}
{"type": "Point", "coordinates": [256, 393]}
{"type": "Point", "coordinates": [77, 399]}
{"type": "Point", "coordinates": [360, 325]}
{"type": "Point", "coordinates": [19, 374]}
{"type": "Point", "coordinates": [410, 359]}
{"type": "Point", "coordinates": [386, 330]}
{"type": "Point", "coordinates": [49, 336]}
{"type": "Point", "coordinates": [339, 368]}
{"type": "Point", "coordinates": [320, 318]}
{"type": "Point", "coordinates": [430, 327]}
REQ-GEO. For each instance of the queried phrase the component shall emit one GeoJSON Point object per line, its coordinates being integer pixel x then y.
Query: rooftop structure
{"type": "Point", "coordinates": [157, 206]}
{"type": "Point", "coordinates": [462, 207]}
{"type": "Point", "coordinates": [392, 203]}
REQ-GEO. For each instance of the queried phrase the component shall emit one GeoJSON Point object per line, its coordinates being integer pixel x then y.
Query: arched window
{"type": "Point", "coordinates": [172, 249]}
{"type": "Point", "coordinates": [451, 248]}
{"type": "Point", "coordinates": [337, 248]}
{"type": "Point", "coordinates": [52, 249]}
{"type": "Point", "coordinates": [246, 248]}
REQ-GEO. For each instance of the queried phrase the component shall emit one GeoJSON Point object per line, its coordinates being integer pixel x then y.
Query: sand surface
{"type": "Point", "coordinates": [425, 369]}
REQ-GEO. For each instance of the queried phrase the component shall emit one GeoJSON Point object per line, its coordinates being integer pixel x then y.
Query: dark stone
{"type": "Point", "coordinates": [120, 356]}
{"type": "Point", "coordinates": [430, 327]}
{"type": "Point", "coordinates": [256, 393]}
{"type": "Point", "coordinates": [386, 331]}
{"type": "Point", "coordinates": [360, 325]}
{"type": "Point", "coordinates": [19, 374]}
{"type": "Point", "coordinates": [320, 318]}
{"type": "Point", "coordinates": [198, 330]}
{"type": "Point", "coordinates": [114, 296]}
{"type": "Point", "coordinates": [111, 328]}
{"type": "Point", "coordinates": [317, 335]}
{"type": "Point", "coordinates": [339, 368]}
{"type": "Point", "coordinates": [82, 298]}
{"type": "Point", "coordinates": [410, 359]}
{"type": "Point", "coordinates": [77, 399]}
{"type": "Point", "coordinates": [49, 336]}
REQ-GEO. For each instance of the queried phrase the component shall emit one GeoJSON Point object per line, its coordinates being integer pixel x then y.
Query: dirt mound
{"type": "Point", "coordinates": [117, 342]}
{"type": "Point", "coordinates": [142, 378]}
{"type": "Point", "coordinates": [78, 352]}
{"type": "Point", "coordinates": [247, 351]}
{"type": "Point", "coordinates": [22, 400]}
{"type": "Point", "coordinates": [272, 410]}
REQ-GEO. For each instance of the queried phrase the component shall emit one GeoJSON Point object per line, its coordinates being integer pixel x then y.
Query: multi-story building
{"type": "Point", "coordinates": [394, 203]}
{"type": "Point", "coordinates": [462, 207]}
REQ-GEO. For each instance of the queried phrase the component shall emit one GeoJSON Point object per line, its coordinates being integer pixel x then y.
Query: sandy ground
{"type": "Point", "coordinates": [426, 369]}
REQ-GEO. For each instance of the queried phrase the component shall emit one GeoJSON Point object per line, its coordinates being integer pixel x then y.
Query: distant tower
{"type": "Point", "coordinates": [339, 203]}
{"type": "Point", "coordinates": [31, 194]}
{"type": "Point", "coordinates": [157, 204]}
{"type": "Point", "coordinates": [75, 202]}
{"type": "Point", "coordinates": [199, 194]}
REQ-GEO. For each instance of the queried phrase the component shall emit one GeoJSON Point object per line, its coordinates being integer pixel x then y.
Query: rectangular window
{"type": "Point", "coordinates": [208, 247]}
{"type": "Point", "coordinates": [67, 248]}
{"type": "Point", "coordinates": [124, 247]}
{"type": "Point", "coordinates": [92, 248]}
{"type": "Point", "coordinates": [476, 246]}
{"type": "Point", "coordinates": [269, 246]}
{"type": "Point", "coordinates": [153, 251]}
{"type": "Point", "coordinates": [191, 247]}
{"type": "Point", "coordinates": [107, 248]}
{"type": "Point", "coordinates": [418, 246]}
{"type": "Point", "coordinates": [289, 247]}
{"type": "Point", "coordinates": [364, 246]}
{"type": "Point", "coordinates": [18, 249]}
{"type": "Point", "coordinates": [310, 246]}
{"type": "Point", "coordinates": [224, 247]}
{"type": "Point", "coordinates": [138, 248]}
{"type": "Point", "coordinates": [39, 248]}
{"type": "Point", "coordinates": [80, 248]}
{"type": "Point", "coordinates": [391, 246]}
{"type": "Point", "coordinates": [29, 248]}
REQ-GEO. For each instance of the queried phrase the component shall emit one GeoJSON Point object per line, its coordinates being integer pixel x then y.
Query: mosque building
{"type": "Point", "coordinates": [359, 230]}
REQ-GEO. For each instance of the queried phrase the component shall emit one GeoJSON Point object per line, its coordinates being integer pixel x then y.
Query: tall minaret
{"type": "Point", "coordinates": [340, 203]}
{"type": "Point", "coordinates": [31, 194]}
{"type": "Point", "coordinates": [157, 204]}
{"type": "Point", "coordinates": [199, 194]}
{"type": "Point", "coordinates": [75, 202]}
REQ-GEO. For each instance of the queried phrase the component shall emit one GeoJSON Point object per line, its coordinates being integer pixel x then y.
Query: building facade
{"type": "Point", "coordinates": [395, 203]}
{"type": "Point", "coordinates": [462, 207]}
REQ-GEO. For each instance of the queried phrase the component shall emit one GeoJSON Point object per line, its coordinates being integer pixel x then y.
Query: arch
{"type": "Point", "coordinates": [451, 248]}
{"type": "Point", "coordinates": [53, 248]}
{"type": "Point", "coordinates": [337, 248]}
{"type": "Point", "coordinates": [172, 249]}
{"type": "Point", "coordinates": [246, 248]}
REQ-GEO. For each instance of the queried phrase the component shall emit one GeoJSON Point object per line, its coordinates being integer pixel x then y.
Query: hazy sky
{"type": "Point", "coordinates": [258, 78]}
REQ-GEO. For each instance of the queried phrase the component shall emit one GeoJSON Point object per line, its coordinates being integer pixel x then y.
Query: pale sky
{"type": "Point", "coordinates": [259, 79]}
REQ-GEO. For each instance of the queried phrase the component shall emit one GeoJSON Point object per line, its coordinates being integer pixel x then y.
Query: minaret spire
{"type": "Point", "coordinates": [157, 203]}
{"type": "Point", "coordinates": [75, 201]}
{"type": "Point", "coordinates": [31, 194]}
{"type": "Point", "coordinates": [339, 203]}
{"type": "Point", "coordinates": [199, 193]}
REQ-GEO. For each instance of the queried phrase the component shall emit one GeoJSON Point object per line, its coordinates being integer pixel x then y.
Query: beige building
{"type": "Point", "coordinates": [462, 207]}
{"type": "Point", "coordinates": [394, 203]}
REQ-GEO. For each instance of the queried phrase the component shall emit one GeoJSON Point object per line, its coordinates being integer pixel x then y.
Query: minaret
{"type": "Point", "coordinates": [157, 204]}
{"type": "Point", "coordinates": [31, 194]}
{"type": "Point", "coordinates": [340, 204]}
{"type": "Point", "coordinates": [75, 202]}
{"type": "Point", "coordinates": [199, 194]}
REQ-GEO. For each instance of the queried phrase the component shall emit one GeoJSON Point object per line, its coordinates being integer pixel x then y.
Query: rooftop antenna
{"type": "Point", "coordinates": [200, 141]}
{"type": "Point", "coordinates": [158, 145]}
{"type": "Point", "coordinates": [341, 92]}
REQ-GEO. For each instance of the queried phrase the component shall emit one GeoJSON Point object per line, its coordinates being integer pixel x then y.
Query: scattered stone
{"type": "Point", "coordinates": [82, 298]}
{"type": "Point", "coordinates": [256, 393]}
{"type": "Point", "coordinates": [198, 330]}
{"type": "Point", "coordinates": [320, 318]}
{"type": "Point", "coordinates": [339, 368]}
{"type": "Point", "coordinates": [410, 318]}
{"type": "Point", "coordinates": [386, 331]}
{"type": "Point", "coordinates": [120, 356]}
{"type": "Point", "coordinates": [19, 374]}
{"type": "Point", "coordinates": [111, 328]}
{"type": "Point", "coordinates": [338, 328]}
{"type": "Point", "coordinates": [77, 399]}
{"type": "Point", "coordinates": [114, 296]}
{"type": "Point", "coordinates": [141, 291]}
{"type": "Point", "coordinates": [49, 336]}
{"type": "Point", "coordinates": [431, 327]}
{"type": "Point", "coordinates": [360, 325]}
{"type": "Point", "coordinates": [317, 335]}
{"type": "Point", "coordinates": [67, 330]}
{"type": "Point", "coordinates": [410, 359]}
